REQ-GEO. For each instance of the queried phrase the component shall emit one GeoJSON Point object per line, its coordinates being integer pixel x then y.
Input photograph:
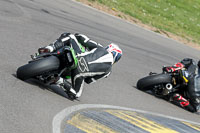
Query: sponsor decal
{"type": "Point", "coordinates": [83, 65]}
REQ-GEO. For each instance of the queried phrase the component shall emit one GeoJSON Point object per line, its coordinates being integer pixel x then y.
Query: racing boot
{"type": "Point", "coordinates": [69, 90]}
{"type": "Point", "coordinates": [181, 101]}
{"type": "Point", "coordinates": [67, 87]}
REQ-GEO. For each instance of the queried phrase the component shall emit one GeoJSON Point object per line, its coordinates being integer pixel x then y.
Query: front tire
{"type": "Point", "coordinates": [38, 67]}
{"type": "Point", "coordinates": [148, 82]}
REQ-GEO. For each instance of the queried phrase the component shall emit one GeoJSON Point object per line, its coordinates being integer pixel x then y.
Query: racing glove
{"type": "Point", "coordinates": [51, 47]}
{"type": "Point", "coordinates": [46, 49]}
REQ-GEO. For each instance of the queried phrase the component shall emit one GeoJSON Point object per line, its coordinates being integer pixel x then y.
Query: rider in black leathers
{"type": "Point", "coordinates": [94, 64]}
{"type": "Point", "coordinates": [189, 98]}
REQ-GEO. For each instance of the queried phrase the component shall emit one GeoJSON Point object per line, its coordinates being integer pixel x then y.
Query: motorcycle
{"type": "Point", "coordinates": [164, 84]}
{"type": "Point", "coordinates": [48, 67]}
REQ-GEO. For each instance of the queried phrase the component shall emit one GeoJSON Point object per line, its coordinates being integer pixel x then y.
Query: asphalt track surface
{"type": "Point", "coordinates": [26, 25]}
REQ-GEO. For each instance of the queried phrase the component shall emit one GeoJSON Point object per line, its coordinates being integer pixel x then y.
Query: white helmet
{"type": "Point", "coordinates": [115, 50]}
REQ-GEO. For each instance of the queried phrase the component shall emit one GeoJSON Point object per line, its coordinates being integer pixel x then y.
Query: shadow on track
{"type": "Point", "coordinates": [150, 92]}
{"type": "Point", "coordinates": [52, 88]}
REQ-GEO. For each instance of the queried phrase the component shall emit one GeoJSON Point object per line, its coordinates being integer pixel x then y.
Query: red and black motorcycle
{"type": "Point", "coordinates": [170, 85]}
{"type": "Point", "coordinates": [166, 83]}
{"type": "Point", "coordinates": [179, 84]}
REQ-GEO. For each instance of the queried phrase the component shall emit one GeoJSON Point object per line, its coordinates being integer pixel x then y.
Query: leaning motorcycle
{"type": "Point", "coordinates": [48, 67]}
{"type": "Point", "coordinates": [164, 84]}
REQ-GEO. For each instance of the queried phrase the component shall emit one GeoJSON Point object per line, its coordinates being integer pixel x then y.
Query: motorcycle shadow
{"type": "Point", "coordinates": [148, 91]}
{"type": "Point", "coordinates": [167, 99]}
{"type": "Point", "coordinates": [41, 85]}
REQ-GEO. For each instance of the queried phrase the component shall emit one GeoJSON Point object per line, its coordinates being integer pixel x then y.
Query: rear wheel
{"type": "Point", "coordinates": [38, 67]}
{"type": "Point", "coordinates": [148, 82]}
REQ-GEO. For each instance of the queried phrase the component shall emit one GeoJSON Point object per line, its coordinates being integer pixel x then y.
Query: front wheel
{"type": "Point", "coordinates": [148, 82]}
{"type": "Point", "coordinates": [38, 67]}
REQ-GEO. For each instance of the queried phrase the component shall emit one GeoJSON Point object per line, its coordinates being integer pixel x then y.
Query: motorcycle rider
{"type": "Point", "coordinates": [189, 96]}
{"type": "Point", "coordinates": [94, 64]}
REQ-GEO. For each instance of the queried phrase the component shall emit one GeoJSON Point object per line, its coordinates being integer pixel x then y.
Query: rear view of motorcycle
{"type": "Point", "coordinates": [48, 67]}
{"type": "Point", "coordinates": [167, 85]}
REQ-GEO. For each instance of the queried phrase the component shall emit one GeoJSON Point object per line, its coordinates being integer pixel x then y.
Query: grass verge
{"type": "Point", "coordinates": [178, 19]}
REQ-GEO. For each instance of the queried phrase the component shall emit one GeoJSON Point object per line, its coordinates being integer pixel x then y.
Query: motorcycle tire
{"type": "Point", "coordinates": [148, 82]}
{"type": "Point", "coordinates": [38, 67]}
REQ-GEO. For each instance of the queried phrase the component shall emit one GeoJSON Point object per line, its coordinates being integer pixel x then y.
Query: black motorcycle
{"type": "Point", "coordinates": [48, 67]}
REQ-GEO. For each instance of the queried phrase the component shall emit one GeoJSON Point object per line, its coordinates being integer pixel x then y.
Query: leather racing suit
{"type": "Point", "coordinates": [94, 64]}
{"type": "Point", "coordinates": [189, 98]}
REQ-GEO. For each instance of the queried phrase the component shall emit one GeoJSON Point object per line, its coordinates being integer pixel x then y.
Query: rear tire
{"type": "Point", "coordinates": [148, 82]}
{"type": "Point", "coordinates": [38, 67]}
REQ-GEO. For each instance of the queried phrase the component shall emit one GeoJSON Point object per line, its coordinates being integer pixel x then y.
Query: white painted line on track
{"type": "Point", "coordinates": [58, 118]}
